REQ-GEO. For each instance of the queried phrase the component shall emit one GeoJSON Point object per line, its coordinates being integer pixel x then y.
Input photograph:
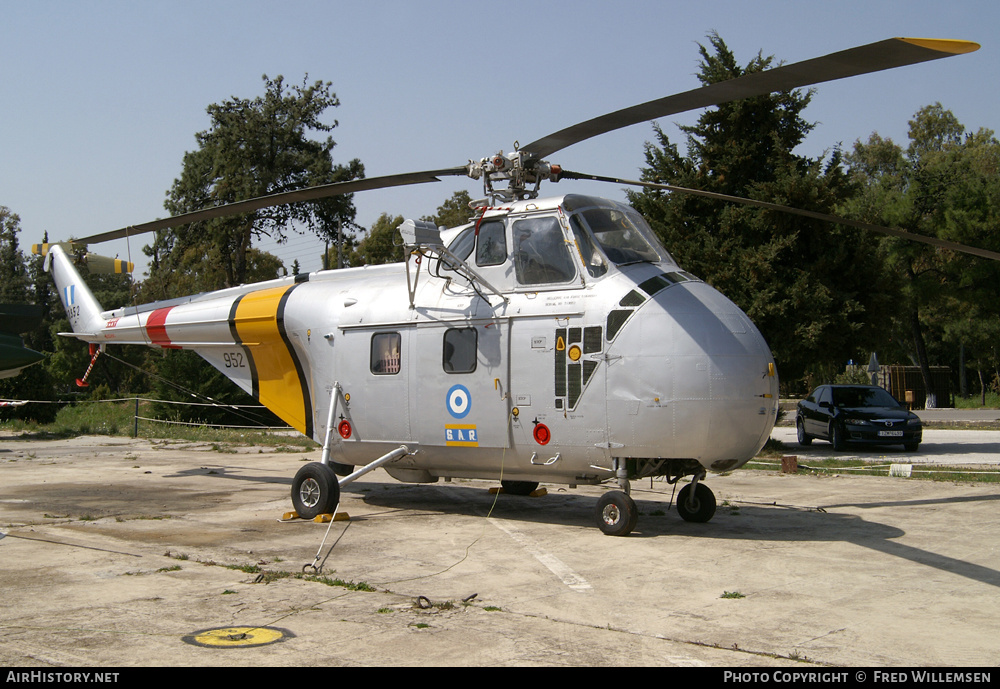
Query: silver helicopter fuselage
{"type": "Point", "coordinates": [562, 341]}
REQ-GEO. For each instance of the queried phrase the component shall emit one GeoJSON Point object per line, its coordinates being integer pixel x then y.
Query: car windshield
{"type": "Point", "coordinates": [863, 397]}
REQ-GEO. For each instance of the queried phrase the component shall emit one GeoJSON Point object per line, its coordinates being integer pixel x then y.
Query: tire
{"type": "Point", "coordinates": [837, 438]}
{"type": "Point", "coordinates": [701, 509]}
{"type": "Point", "coordinates": [519, 487]}
{"type": "Point", "coordinates": [616, 514]}
{"type": "Point", "coordinates": [315, 490]}
{"type": "Point", "coordinates": [804, 438]}
{"type": "Point", "coordinates": [342, 469]}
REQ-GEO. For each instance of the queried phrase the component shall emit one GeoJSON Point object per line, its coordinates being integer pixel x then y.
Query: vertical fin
{"type": "Point", "coordinates": [82, 309]}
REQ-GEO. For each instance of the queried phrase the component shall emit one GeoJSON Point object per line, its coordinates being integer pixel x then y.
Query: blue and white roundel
{"type": "Point", "coordinates": [459, 401]}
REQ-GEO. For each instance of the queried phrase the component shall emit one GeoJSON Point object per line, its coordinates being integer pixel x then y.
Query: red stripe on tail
{"type": "Point", "coordinates": [156, 328]}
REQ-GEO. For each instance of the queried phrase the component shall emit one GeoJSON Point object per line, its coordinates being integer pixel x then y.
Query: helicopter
{"type": "Point", "coordinates": [547, 340]}
{"type": "Point", "coordinates": [16, 319]}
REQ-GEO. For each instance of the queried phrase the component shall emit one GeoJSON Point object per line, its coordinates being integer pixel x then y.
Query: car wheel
{"type": "Point", "coordinates": [837, 438]}
{"type": "Point", "coordinates": [803, 437]}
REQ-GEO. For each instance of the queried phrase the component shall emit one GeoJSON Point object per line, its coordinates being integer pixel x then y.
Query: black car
{"type": "Point", "coordinates": [856, 414]}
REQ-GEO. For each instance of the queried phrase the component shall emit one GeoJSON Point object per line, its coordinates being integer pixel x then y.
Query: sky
{"type": "Point", "coordinates": [101, 99]}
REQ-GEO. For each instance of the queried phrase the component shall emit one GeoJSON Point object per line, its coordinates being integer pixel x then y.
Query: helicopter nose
{"type": "Point", "coordinates": [692, 378]}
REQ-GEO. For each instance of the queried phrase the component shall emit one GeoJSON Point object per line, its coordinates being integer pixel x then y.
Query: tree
{"type": "Point", "coordinates": [14, 283]}
{"type": "Point", "coordinates": [34, 382]}
{"type": "Point", "coordinates": [454, 211]}
{"type": "Point", "coordinates": [946, 185]}
{"type": "Point", "coordinates": [381, 245]}
{"type": "Point", "coordinates": [813, 289]}
{"type": "Point", "coordinates": [254, 148]}
{"type": "Point", "coordinates": [44, 296]}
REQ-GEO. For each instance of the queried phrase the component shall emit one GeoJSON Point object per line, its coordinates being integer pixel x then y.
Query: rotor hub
{"type": "Point", "coordinates": [522, 172]}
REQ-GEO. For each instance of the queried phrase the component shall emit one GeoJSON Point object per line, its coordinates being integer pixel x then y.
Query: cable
{"type": "Point", "coordinates": [489, 514]}
{"type": "Point", "coordinates": [181, 388]}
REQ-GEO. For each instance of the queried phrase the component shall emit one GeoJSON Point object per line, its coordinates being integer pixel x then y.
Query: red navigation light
{"type": "Point", "coordinates": [542, 434]}
{"type": "Point", "coordinates": [344, 428]}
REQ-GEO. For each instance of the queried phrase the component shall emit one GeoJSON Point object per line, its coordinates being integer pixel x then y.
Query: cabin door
{"type": "Point", "coordinates": [373, 368]}
{"type": "Point", "coordinates": [459, 379]}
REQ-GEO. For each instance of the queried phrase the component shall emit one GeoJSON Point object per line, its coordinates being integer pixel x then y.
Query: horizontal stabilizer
{"type": "Point", "coordinates": [95, 264]}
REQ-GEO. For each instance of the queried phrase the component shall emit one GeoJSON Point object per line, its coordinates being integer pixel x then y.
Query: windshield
{"type": "Point", "coordinates": [621, 235]}
{"type": "Point", "coordinates": [863, 397]}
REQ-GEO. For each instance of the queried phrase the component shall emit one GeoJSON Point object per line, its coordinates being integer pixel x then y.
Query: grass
{"type": "Point", "coordinates": [880, 467]}
{"type": "Point", "coordinates": [118, 419]}
{"type": "Point", "coordinates": [974, 401]}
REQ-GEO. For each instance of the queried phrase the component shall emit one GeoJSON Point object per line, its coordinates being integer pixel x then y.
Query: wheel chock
{"type": "Point", "coordinates": [339, 517]}
{"type": "Point", "coordinates": [319, 519]}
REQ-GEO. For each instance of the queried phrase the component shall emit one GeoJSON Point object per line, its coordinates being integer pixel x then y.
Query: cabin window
{"type": "Point", "coordinates": [385, 353]}
{"type": "Point", "coordinates": [541, 256]}
{"type": "Point", "coordinates": [491, 247]}
{"type": "Point", "coordinates": [459, 354]}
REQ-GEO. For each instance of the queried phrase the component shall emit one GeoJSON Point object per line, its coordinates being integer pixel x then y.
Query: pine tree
{"type": "Point", "coordinates": [813, 289]}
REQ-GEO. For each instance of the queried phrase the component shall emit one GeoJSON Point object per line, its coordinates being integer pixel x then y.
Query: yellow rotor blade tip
{"type": "Point", "coordinates": [944, 45]}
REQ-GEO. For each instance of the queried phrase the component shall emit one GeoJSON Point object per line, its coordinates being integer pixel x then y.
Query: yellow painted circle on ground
{"type": "Point", "coordinates": [237, 637]}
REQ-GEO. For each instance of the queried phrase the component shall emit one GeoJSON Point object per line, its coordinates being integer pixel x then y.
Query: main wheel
{"type": "Point", "coordinates": [519, 487]}
{"type": "Point", "coordinates": [616, 514]}
{"type": "Point", "coordinates": [800, 431]}
{"type": "Point", "coordinates": [315, 490]}
{"type": "Point", "coordinates": [697, 508]}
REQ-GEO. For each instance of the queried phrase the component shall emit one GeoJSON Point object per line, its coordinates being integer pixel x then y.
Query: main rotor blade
{"type": "Point", "coordinates": [836, 219]}
{"type": "Point", "coordinates": [309, 194]}
{"type": "Point", "coordinates": [875, 57]}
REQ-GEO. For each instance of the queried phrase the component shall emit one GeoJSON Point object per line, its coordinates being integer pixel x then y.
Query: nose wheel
{"type": "Point", "coordinates": [696, 503]}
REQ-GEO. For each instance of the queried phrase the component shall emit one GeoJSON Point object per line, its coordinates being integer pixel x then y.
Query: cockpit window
{"type": "Point", "coordinates": [592, 258]}
{"type": "Point", "coordinates": [620, 235]}
{"type": "Point", "coordinates": [491, 248]}
{"type": "Point", "coordinates": [462, 246]}
{"type": "Point", "coordinates": [541, 256]}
